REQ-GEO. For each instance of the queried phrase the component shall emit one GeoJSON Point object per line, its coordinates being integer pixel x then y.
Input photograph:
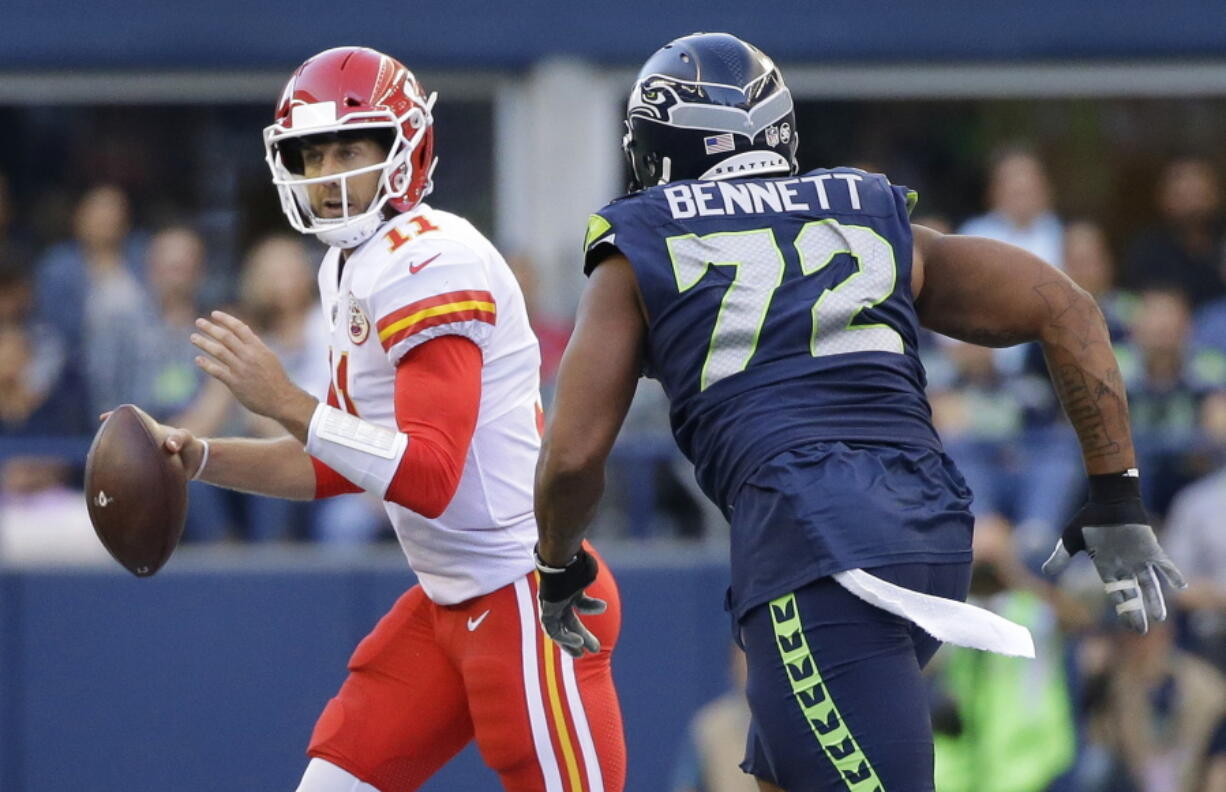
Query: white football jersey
{"type": "Point", "coordinates": [425, 274]}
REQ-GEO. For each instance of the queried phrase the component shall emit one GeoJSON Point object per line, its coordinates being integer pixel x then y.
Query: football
{"type": "Point", "coordinates": [136, 492]}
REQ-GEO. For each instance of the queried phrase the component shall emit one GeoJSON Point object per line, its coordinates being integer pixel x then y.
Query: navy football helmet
{"type": "Point", "coordinates": [708, 106]}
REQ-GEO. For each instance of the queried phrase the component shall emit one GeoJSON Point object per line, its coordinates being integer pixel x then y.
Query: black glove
{"type": "Point", "coordinates": [561, 595]}
{"type": "Point", "coordinates": [1114, 529]}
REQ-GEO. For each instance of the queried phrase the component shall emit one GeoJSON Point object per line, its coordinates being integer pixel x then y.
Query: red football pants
{"type": "Point", "coordinates": [430, 677]}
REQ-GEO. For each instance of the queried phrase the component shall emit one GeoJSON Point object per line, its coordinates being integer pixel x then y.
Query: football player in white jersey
{"type": "Point", "coordinates": [434, 406]}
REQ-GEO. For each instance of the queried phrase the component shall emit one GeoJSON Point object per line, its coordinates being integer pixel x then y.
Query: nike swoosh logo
{"type": "Point", "coordinates": [475, 623]}
{"type": "Point", "coordinates": [416, 268]}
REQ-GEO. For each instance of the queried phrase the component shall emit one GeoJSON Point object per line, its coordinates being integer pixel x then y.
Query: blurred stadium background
{"type": "Point", "coordinates": [133, 195]}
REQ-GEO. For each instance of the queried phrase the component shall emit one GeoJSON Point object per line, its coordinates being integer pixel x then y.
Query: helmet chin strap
{"type": "Point", "coordinates": [748, 163]}
{"type": "Point", "coordinates": [350, 234]}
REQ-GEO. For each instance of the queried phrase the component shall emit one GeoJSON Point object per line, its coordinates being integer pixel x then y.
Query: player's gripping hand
{"type": "Point", "coordinates": [174, 440]}
{"type": "Point", "coordinates": [1114, 529]}
{"type": "Point", "coordinates": [562, 599]}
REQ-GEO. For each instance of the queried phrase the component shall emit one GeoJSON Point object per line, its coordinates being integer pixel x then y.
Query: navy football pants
{"type": "Point", "coordinates": [835, 690]}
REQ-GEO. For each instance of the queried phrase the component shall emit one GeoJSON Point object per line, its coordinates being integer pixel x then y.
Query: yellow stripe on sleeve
{"type": "Point", "coordinates": [426, 313]}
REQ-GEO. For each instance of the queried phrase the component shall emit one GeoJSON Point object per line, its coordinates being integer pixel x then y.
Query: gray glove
{"type": "Point", "coordinates": [561, 596]}
{"type": "Point", "coordinates": [1114, 529]}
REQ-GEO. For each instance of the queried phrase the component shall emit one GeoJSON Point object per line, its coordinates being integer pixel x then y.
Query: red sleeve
{"type": "Point", "coordinates": [328, 482]}
{"type": "Point", "coordinates": [438, 396]}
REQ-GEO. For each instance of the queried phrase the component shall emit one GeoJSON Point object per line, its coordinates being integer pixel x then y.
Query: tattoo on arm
{"type": "Point", "coordinates": [996, 295]}
{"type": "Point", "coordinates": [1066, 311]}
{"type": "Point", "coordinates": [1085, 412]}
{"type": "Point", "coordinates": [1086, 376]}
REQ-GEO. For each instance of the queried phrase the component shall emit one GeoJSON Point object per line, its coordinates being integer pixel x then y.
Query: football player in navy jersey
{"type": "Point", "coordinates": [780, 313]}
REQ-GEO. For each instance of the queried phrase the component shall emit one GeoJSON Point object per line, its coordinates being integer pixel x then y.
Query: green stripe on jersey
{"type": "Point", "coordinates": [815, 701]}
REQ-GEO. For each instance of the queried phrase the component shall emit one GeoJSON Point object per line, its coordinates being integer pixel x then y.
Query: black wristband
{"type": "Point", "coordinates": [549, 569]}
{"type": "Point", "coordinates": [558, 584]}
{"type": "Point", "coordinates": [1115, 487]}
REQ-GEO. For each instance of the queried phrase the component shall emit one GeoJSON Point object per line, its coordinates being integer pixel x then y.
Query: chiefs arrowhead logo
{"type": "Point", "coordinates": [359, 325]}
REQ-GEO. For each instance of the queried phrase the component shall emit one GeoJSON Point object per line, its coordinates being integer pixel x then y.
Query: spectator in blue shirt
{"type": "Point", "coordinates": [39, 392]}
{"type": "Point", "coordinates": [88, 289]}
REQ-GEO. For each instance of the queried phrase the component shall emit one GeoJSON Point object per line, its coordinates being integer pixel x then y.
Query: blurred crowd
{"type": "Point", "coordinates": [103, 316]}
{"type": "Point", "coordinates": [1099, 710]}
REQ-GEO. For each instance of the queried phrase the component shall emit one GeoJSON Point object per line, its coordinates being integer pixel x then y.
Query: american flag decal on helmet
{"type": "Point", "coordinates": [717, 144]}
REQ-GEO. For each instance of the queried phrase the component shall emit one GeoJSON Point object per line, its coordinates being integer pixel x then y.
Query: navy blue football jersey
{"type": "Point", "coordinates": [780, 313]}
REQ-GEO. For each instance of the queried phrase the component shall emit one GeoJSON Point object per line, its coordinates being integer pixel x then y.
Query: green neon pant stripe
{"type": "Point", "coordinates": [815, 702]}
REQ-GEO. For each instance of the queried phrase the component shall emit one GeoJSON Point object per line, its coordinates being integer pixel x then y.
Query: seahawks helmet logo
{"type": "Point", "coordinates": [708, 106]}
{"type": "Point", "coordinates": [690, 105]}
{"type": "Point", "coordinates": [654, 99]}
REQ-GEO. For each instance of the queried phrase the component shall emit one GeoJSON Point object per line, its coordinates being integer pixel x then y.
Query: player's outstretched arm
{"type": "Point", "coordinates": [596, 382]}
{"type": "Point", "coordinates": [990, 293]}
{"type": "Point", "coordinates": [278, 467]}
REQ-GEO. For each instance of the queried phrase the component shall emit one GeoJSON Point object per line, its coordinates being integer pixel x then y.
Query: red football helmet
{"type": "Point", "coordinates": [341, 90]}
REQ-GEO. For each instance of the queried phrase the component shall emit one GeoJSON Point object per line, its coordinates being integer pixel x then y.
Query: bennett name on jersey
{"type": "Point", "coordinates": [716, 199]}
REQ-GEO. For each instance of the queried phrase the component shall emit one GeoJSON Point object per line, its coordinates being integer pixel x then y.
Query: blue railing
{"type": "Point", "coordinates": [472, 34]}
{"type": "Point", "coordinates": [69, 449]}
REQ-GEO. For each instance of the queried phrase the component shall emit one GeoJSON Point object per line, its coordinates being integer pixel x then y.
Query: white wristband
{"type": "Point", "coordinates": [365, 453]}
{"type": "Point", "coordinates": [204, 458]}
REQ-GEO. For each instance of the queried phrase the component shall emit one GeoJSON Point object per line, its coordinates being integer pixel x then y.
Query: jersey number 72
{"type": "Point", "coordinates": [759, 272]}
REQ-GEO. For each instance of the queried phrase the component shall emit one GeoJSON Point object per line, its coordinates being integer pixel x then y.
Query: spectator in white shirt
{"type": "Point", "coordinates": [1020, 207]}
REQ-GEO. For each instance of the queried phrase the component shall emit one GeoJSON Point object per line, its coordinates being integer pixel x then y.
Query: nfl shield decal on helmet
{"type": "Point", "coordinates": [359, 325]}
